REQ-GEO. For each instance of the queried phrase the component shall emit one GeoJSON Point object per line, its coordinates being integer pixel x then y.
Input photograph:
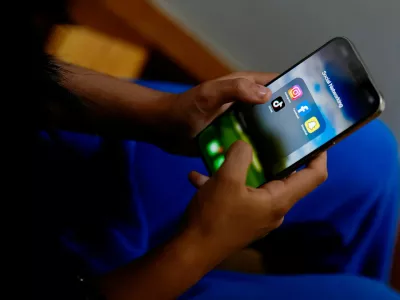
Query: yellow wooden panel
{"type": "Point", "coordinates": [88, 48]}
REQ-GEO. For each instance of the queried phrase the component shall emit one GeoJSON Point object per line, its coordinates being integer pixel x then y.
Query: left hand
{"type": "Point", "coordinates": [198, 107]}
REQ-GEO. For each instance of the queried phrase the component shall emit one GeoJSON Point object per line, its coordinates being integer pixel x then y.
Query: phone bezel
{"type": "Point", "coordinates": [303, 161]}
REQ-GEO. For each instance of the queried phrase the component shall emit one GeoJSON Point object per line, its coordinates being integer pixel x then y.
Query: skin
{"type": "Point", "coordinates": [225, 215]}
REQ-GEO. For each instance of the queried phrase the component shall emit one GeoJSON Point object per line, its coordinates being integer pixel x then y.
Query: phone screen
{"type": "Point", "coordinates": [311, 104]}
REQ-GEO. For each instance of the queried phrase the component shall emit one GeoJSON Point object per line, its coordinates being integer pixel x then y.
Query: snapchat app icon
{"type": "Point", "coordinates": [312, 125]}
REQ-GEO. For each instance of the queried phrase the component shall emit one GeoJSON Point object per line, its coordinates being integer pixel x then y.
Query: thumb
{"type": "Point", "coordinates": [220, 92]}
{"type": "Point", "coordinates": [237, 162]}
{"type": "Point", "coordinates": [241, 89]}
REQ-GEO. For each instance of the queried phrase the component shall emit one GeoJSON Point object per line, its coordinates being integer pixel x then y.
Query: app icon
{"type": "Point", "coordinates": [303, 108]}
{"type": "Point", "coordinates": [278, 104]}
{"type": "Point", "coordinates": [214, 148]}
{"type": "Point", "coordinates": [312, 124]}
{"type": "Point", "coordinates": [218, 162]}
{"type": "Point", "coordinates": [295, 92]}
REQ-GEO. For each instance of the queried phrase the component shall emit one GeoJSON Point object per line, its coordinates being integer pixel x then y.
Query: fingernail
{"type": "Point", "coordinates": [264, 92]}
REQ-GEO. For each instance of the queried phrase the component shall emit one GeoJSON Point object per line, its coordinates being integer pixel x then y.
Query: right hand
{"type": "Point", "coordinates": [229, 215]}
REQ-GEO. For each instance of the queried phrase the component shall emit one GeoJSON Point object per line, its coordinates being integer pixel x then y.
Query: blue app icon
{"type": "Point", "coordinates": [303, 108]}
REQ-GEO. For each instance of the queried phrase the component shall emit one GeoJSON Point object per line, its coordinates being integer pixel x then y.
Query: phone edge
{"type": "Point", "coordinates": [348, 131]}
{"type": "Point", "coordinates": [303, 161]}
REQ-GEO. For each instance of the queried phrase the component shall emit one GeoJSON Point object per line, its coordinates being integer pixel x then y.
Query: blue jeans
{"type": "Point", "coordinates": [116, 200]}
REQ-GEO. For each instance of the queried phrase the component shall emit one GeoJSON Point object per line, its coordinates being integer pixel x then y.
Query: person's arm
{"type": "Point", "coordinates": [104, 105]}
{"type": "Point", "coordinates": [101, 104]}
{"type": "Point", "coordinates": [166, 272]}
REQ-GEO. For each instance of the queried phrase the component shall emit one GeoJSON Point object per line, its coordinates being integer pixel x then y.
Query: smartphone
{"type": "Point", "coordinates": [314, 104]}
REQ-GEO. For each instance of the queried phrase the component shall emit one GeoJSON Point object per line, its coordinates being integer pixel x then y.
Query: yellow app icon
{"type": "Point", "coordinates": [312, 125]}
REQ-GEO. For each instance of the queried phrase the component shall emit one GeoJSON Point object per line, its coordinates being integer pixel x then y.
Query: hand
{"type": "Point", "coordinates": [198, 107]}
{"type": "Point", "coordinates": [230, 215]}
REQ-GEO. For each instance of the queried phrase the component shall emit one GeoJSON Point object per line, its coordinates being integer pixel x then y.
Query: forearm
{"type": "Point", "coordinates": [166, 273]}
{"type": "Point", "coordinates": [105, 105]}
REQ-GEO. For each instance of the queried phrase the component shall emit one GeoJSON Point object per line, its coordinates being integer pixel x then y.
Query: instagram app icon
{"type": "Point", "coordinates": [295, 92]}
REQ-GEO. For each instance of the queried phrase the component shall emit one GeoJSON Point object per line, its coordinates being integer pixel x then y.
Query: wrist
{"type": "Point", "coordinates": [197, 249]}
{"type": "Point", "coordinates": [169, 124]}
{"type": "Point", "coordinates": [174, 267]}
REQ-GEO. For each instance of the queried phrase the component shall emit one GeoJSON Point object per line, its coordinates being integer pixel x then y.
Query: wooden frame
{"type": "Point", "coordinates": [135, 20]}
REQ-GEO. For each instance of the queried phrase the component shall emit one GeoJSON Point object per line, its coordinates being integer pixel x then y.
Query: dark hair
{"type": "Point", "coordinates": [49, 277]}
{"type": "Point", "coordinates": [44, 73]}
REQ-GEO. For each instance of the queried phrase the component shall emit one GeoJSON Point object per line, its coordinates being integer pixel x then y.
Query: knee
{"type": "Point", "coordinates": [380, 146]}
{"type": "Point", "coordinates": [380, 136]}
{"type": "Point", "coordinates": [368, 159]}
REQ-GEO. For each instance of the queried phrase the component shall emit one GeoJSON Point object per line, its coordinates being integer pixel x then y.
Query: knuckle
{"type": "Point", "coordinates": [275, 188]}
{"type": "Point", "coordinates": [280, 211]}
{"type": "Point", "coordinates": [322, 176]}
{"type": "Point", "coordinates": [239, 85]}
{"type": "Point", "coordinates": [203, 90]}
{"type": "Point", "coordinates": [242, 191]}
{"type": "Point", "coordinates": [277, 223]}
{"type": "Point", "coordinates": [281, 207]}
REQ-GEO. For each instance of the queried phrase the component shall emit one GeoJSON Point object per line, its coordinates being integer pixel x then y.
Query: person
{"type": "Point", "coordinates": [116, 203]}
